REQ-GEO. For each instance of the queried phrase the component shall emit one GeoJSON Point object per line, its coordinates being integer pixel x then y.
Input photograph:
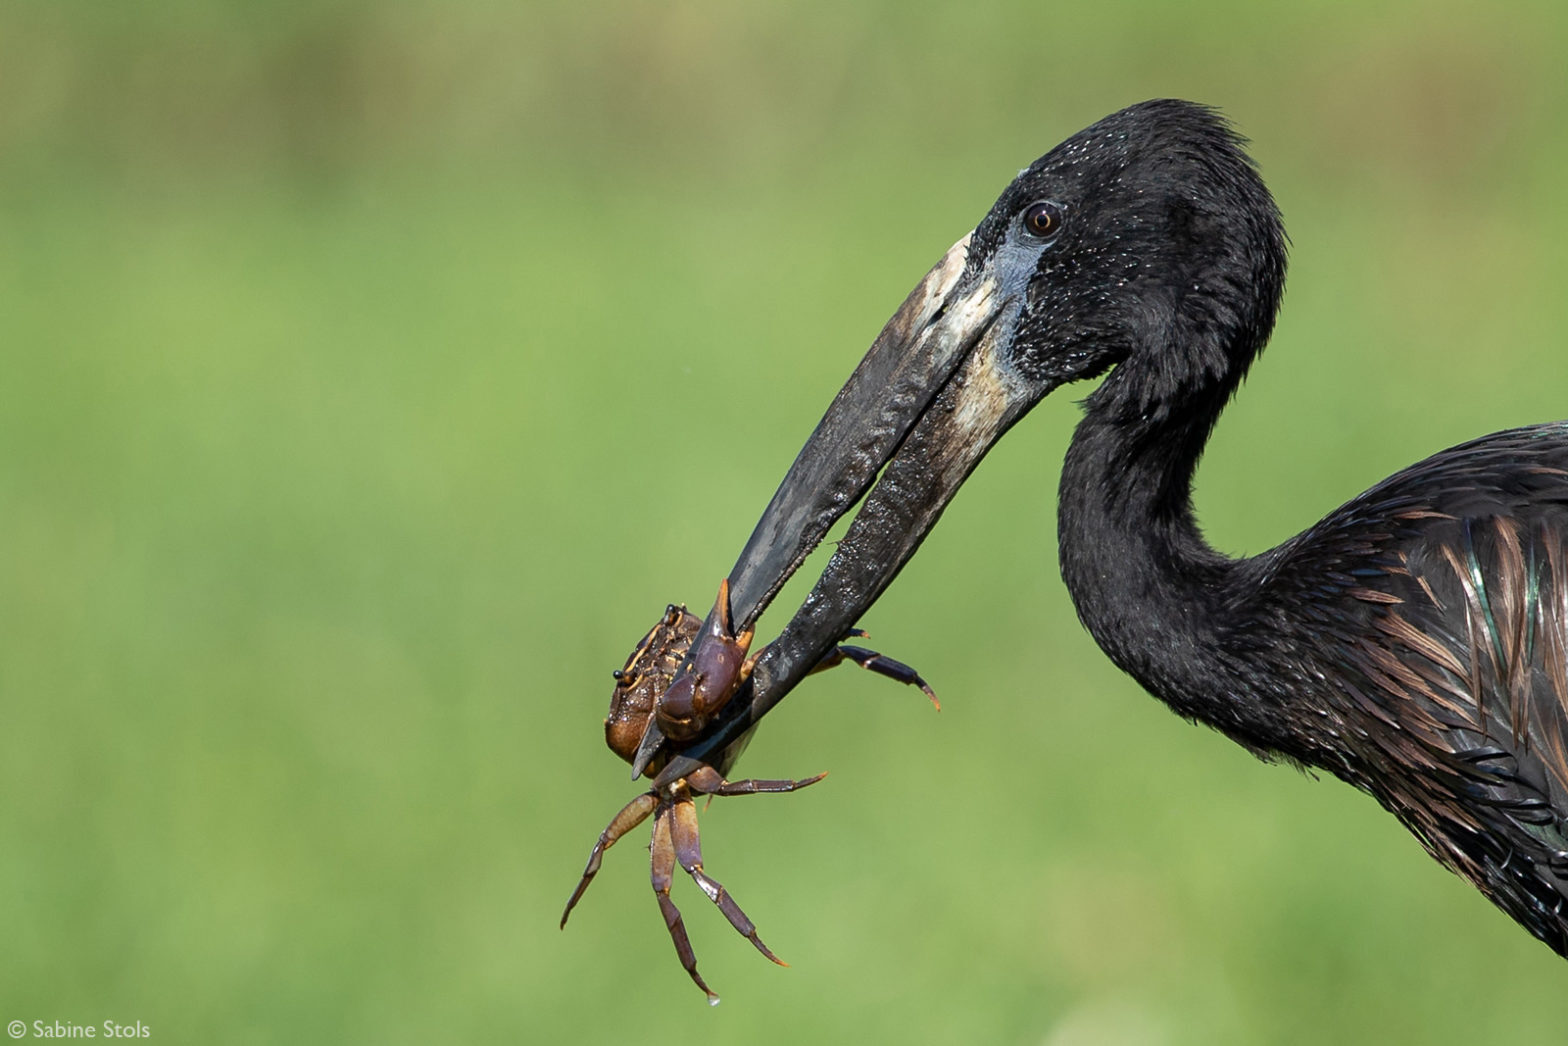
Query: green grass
{"type": "Point", "coordinates": [373, 376]}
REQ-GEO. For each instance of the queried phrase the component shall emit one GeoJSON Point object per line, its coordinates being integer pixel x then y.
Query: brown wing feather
{"type": "Point", "coordinates": [1434, 610]}
{"type": "Point", "coordinates": [1471, 668]}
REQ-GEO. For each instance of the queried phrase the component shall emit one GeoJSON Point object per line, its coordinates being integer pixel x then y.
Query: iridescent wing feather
{"type": "Point", "coordinates": [1433, 613]}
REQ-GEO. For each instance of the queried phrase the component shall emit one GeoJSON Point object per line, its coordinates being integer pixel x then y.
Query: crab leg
{"type": "Point", "coordinates": [688, 850]}
{"type": "Point", "coordinates": [878, 663]}
{"type": "Point", "coordinates": [663, 852]}
{"type": "Point", "coordinates": [632, 814]}
{"type": "Point", "coordinates": [709, 782]}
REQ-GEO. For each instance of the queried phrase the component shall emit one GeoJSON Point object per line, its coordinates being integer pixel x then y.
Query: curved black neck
{"type": "Point", "coordinates": [1148, 587]}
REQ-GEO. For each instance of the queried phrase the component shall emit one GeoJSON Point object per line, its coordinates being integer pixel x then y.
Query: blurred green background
{"type": "Point", "coordinates": [373, 374]}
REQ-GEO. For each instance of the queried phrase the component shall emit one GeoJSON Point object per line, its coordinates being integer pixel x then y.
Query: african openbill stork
{"type": "Point", "coordinates": [1413, 643]}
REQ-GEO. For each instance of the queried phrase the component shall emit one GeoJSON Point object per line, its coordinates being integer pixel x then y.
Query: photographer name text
{"type": "Point", "coordinates": [72, 1030]}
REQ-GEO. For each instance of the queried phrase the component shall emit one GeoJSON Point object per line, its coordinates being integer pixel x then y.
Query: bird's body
{"type": "Point", "coordinates": [1436, 609]}
{"type": "Point", "coordinates": [1413, 643]}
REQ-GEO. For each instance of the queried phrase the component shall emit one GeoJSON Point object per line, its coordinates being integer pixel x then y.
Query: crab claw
{"type": "Point", "coordinates": [718, 665]}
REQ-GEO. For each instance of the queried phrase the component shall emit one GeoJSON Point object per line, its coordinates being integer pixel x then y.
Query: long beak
{"type": "Point", "coordinates": [932, 395]}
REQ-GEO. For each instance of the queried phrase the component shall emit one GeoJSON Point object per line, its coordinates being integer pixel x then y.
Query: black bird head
{"type": "Point", "coordinates": [1146, 243]}
{"type": "Point", "coordinates": [1149, 237]}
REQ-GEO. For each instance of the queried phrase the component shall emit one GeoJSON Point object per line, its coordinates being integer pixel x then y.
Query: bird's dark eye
{"type": "Point", "coordinates": [1043, 218]}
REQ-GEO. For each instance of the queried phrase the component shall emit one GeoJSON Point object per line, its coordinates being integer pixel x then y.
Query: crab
{"type": "Point", "coordinates": [644, 694]}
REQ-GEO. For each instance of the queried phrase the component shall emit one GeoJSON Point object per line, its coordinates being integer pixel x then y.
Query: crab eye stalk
{"type": "Point", "coordinates": [1043, 219]}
